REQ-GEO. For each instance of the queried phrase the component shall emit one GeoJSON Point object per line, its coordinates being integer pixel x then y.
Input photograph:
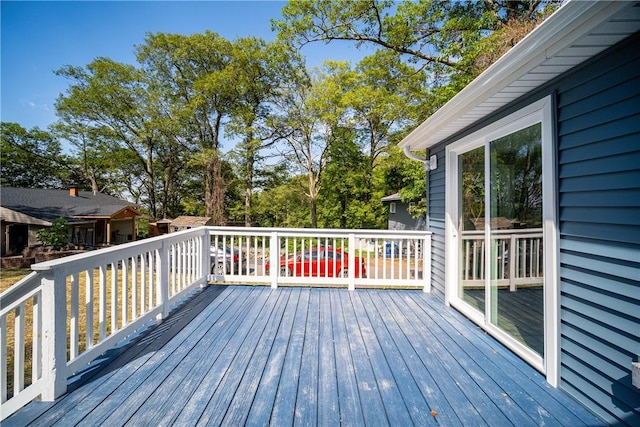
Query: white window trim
{"type": "Point", "coordinates": [540, 111]}
{"type": "Point", "coordinates": [392, 207]}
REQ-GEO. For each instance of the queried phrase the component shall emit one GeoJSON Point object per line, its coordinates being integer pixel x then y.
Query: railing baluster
{"type": "Point", "coordinates": [124, 285]}
{"type": "Point", "coordinates": [3, 359]}
{"type": "Point", "coordinates": [74, 332]}
{"type": "Point", "coordinates": [89, 308]}
{"type": "Point", "coordinates": [102, 303]}
{"type": "Point", "coordinates": [134, 288]}
{"type": "Point", "coordinates": [36, 343]}
{"type": "Point", "coordinates": [114, 297]}
{"type": "Point", "coordinates": [18, 349]}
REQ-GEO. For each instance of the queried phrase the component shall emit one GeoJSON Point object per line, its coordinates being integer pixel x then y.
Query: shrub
{"type": "Point", "coordinates": [56, 236]}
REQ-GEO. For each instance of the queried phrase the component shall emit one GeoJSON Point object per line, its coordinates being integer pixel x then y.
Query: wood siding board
{"type": "Point", "coordinates": [601, 383]}
{"type": "Point", "coordinates": [602, 198]}
{"type": "Point", "coordinates": [604, 98]}
{"type": "Point", "coordinates": [601, 115]}
{"type": "Point", "coordinates": [611, 232]}
{"type": "Point", "coordinates": [583, 347]}
{"type": "Point", "coordinates": [579, 87]}
{"type": "Point", "coordinates": [595, 149]}
{"type": "Point", "coordinates": [580, 314]}
{"type": "Point", "coordinates": [620, 252]}
{"type": "Point", "coordinates": [604, 165]}
{"type": "Point", "coordinates": [604, 273]}
{"type": "Point", "coordinates": [612, 303]}
{"type": "Point", "coordinates": [619, 216]}
{"type": "Point", "coordinates": [591, 396]}
{"type": "Point", "coordinates": [627, 124]}
{"type": "Point", "coordinates": [612, 181]}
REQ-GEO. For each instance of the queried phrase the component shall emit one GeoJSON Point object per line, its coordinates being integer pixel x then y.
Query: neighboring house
{"type": "Point", "coordinates": [95, 219]}
{"type": "Point", "coordinates": [186, 222]}
{"type": "Point", "coordinates": [399, 216]}
{"type": "Point", "coordinates": [552, 129]}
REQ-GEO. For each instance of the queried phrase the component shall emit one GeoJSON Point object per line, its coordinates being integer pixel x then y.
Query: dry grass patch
{"type": "Point", "coordinates": [88, 301]}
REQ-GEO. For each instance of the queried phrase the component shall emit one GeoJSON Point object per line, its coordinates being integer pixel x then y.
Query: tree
{"type": "Point", "coordinates": [258, 72]}
{"type": "Point", "coordinates": [310, 121]}
{"type": "Point", "coordinates": [191, 72]}
{"type": "Point", "coordinates": [32, 159]}
{"type": "Point", "coordinates": [440, 38]}
{"type": "Point", "coordinates": [112, 98]}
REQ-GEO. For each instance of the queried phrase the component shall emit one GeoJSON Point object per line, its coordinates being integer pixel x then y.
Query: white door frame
{"type": "Point", "coordinates": [540, 111]}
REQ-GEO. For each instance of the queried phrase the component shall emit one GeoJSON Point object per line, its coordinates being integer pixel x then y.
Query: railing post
{"type": "Point", "coordinates": [426, 259]}
{"type": "Point", "coordinates": [206, 256]}
{"type": "Point", "coordinates": [54, 331]}
{"type": "Point", "coordinates": [352, 262]}
{"type": "Point", "coordinates": [274, 259]}
{"type": "Point", "coordinates": [162, 291]}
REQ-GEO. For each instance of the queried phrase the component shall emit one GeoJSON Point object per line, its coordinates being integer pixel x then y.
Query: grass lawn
{"type": "Point", "coordinates": [9, 276]}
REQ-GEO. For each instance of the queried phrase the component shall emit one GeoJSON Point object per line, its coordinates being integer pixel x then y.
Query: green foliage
{"type": "Point", "coordinates": [32, 159]}
{"type": "Point", "coordinates": [56, 236]}
{"type": "Point", "coordinates": [310, 148]}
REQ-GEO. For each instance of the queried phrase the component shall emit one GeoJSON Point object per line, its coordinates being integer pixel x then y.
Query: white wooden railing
{"type": "Point", "coordinates": [69, 311]}
{"type": "Point", "coordinates": [517, 258]}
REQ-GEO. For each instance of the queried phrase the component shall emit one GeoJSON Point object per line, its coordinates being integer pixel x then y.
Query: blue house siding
{"type": "Point", "coordinates": [435, 222]}
{"type": "Point", "coordinates": [598, 166]}
{"type": "Point", "coordinates": [599, 222]}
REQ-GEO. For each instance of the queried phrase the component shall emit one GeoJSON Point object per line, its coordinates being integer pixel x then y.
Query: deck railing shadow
{"type": "Point", "coordinates": [149, 339]}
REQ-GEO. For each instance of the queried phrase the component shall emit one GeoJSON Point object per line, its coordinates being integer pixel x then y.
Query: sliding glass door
{"type": "Point", "coordinates": [497, 233]}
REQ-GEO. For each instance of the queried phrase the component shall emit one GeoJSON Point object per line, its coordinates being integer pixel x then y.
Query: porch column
{"type": "Point", "coordinates": [108, 227]}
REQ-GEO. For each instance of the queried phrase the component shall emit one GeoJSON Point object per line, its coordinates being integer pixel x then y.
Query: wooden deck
{"type": "Point", "coordinates": [298, 356]}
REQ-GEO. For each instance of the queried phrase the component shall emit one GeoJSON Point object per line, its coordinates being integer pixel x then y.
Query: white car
{"type": "Point", "coordinates": [224, 260]}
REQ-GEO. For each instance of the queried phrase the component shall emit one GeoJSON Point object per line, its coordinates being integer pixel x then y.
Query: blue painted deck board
{"type": "Point", "coordinates": [301, 356]}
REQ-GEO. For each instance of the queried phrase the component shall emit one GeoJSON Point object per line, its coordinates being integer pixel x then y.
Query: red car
{"type": "Point", "coordinates": [320, 262]}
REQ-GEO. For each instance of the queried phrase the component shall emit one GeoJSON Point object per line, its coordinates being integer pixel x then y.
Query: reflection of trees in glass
{"type": "Point", "coordinates": [472, 167]}
{"type": "Point", "coordinates": [516, 177]}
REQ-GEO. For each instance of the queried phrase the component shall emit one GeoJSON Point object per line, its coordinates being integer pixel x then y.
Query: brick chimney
{"type": "Point", "coordinates": [73, 192]}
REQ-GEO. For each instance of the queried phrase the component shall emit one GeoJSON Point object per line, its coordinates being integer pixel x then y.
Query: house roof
{"type": "Point", "coordinates": [392, 198]}
{"type": "Point", "coordinates": [577, 31]}
{"type": "Point", "coordinates": [48, 205]}
{"type": "Point", "coordinates": [190, 221]}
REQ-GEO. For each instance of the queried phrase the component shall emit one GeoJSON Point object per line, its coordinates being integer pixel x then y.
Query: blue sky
{"type": "Point", "coordinates": [39, 37]}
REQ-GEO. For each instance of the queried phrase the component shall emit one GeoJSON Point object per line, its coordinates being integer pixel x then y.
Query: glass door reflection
{"type": "Point", "coordinates": [516, 280]}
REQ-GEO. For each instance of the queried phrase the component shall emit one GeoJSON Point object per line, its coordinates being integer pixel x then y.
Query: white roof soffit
{"type": "Point", "coordinates": [577, 31]}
